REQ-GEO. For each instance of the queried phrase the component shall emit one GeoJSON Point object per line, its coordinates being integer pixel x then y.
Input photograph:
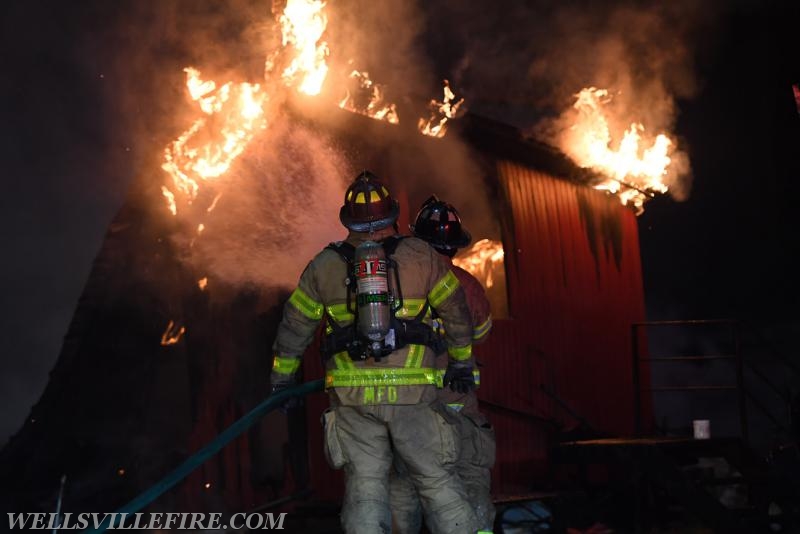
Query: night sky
{"type": "Point", "coordinates": [730, 250]}
{"type": "Point", "coordinates": [80, 123]}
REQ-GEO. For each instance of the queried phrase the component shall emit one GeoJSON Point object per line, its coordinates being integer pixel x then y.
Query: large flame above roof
{"type": "Point", "coordinates": [635, 166]}
{"type": "Point", "coordinates": [303, 23]}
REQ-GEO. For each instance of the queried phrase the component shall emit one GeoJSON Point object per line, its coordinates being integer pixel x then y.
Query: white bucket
{"type": "Point", "coordinates": [702, 428]}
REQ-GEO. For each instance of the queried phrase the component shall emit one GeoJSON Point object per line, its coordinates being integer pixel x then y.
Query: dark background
{"type": "Point", "coordinates": [79, 125]}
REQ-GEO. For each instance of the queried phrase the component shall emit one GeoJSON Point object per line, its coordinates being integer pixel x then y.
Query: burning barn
{"type": "Point", "coordinates": [561, 267]}
{"type": "Point", "coordinates": [161, 356]}
{"type": "Point", "coordinates": [170, 342]}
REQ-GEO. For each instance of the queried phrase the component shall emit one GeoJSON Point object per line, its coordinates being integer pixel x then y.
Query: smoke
{"type": "Point", "coordinates": [278, 207]}
{"type": "Point", "coordinates": [641, 55]}
{"type": "Point", "coordinates": [385, 39]}
{"type": "Point", "coordinates": [515, 56]}
{"type": "Point", "coordinates": [266, 222]}
{"type": "Point", "coordinates": [279, 202]}
{"type": "Point", "coordinates": [523, 63]}
{"type": "Point", "coordinates": [141, 49]}
{"type": "Point", "coordinates": [447, 168]}
{"type": "Point", "coordinates": [392, 41]}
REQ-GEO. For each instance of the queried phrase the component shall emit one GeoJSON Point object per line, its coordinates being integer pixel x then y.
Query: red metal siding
{"type": "Point", "coordinates": [511, 371]}
{"type": "Point", "coordinates": [575, 287]}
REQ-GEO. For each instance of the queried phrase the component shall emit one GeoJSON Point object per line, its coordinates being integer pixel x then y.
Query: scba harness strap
{"type": "Point", "coordinates": [402, 331]}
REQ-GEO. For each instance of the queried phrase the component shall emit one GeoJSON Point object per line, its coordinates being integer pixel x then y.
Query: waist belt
{"type": "Point", "coordinates": [405, 333]}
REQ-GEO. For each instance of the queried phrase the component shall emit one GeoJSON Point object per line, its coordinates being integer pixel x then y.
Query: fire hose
{"type": "Point", "coordinates": [210, 449]}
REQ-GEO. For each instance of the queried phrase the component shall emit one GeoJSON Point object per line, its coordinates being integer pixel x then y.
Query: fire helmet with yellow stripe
{"type": "Point", "coordinates": [368, 206]}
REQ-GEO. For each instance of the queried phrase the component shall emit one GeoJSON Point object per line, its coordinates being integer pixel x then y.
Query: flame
{"type": "Point", "coordinates": [480, 260]}
{"type": "Point", "coordinates": [170, 196]}
{"type": "Point", "coordinates": [233, 115]}
{"type": "Point", "coordinates": [634, 171]}
{"type": "Point", "coordinates": [302, 24]}
{"type": "Point", "coordinates": [172, 334]}
{"type": "Point", "coordinates": [441, 112]}
{"type": "Point", "coordinates": [367, 98]}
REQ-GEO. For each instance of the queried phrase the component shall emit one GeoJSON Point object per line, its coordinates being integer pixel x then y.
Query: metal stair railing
{"type": "Point", "coordinates": [778, 356]}
{"type": "Point", "coordinates": [742, 364]}
{"type": "Point", "coordinates": [736, 357]}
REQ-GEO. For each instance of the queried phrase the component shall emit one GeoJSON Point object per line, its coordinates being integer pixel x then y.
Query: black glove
{"type": "Point", "coordinates": [291, 402]}
{"type": "Point", "coordinates": [459, 377]}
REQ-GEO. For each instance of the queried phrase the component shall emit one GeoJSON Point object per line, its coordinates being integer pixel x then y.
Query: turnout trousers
{"type": "Point", "coordinates": [475, 459]}
{"type": "Point", "coordinates": [363, 439]}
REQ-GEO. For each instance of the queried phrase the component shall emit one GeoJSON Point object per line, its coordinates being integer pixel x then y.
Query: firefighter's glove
{"type": "Point", "coordinates": [458, 377]}
{"type": "Point", "coordinates": [291, 402]}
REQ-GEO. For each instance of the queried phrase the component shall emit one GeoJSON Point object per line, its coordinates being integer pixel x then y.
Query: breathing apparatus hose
{"type": "Point", "coordinates": [210, 449]}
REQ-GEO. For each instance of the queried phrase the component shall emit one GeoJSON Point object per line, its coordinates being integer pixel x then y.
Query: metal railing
{"type": "Point", "coordinates": [736, 358]}
{"type": "Point", "coordinates": [741, 363]}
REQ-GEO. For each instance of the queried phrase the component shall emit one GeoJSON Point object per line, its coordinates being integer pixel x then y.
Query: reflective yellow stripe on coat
{"type": "Point", "coordinates": [481, 331]}
{"type": "Point", "coordinates": [460, 353]}
{"type": "Point", "coordinates": [443, 289]}
{"type": "Point", "coordinates": [285, 366]}
{"type": "Point", "coordinates": [415, 354]}
{"type": "Point", "coordinates": [389, 376]}
{"type": "Point", "coordinates": [306, 305]}
{"type": "Point", "coordinates": [340, 313]}
{"type": "Point", "coordinates": [343, 360]}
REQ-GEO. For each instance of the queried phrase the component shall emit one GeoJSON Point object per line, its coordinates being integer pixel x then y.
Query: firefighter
{"type": "Point", "coordinates": [381, 377]}
{"type": "Point", "coordinates": [439, 224]}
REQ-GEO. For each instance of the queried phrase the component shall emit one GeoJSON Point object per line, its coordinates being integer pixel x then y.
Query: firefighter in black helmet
{"type": "Point", "coordinates": [439, 224]}
{"type": "Point", "coordinates": [384, 400]}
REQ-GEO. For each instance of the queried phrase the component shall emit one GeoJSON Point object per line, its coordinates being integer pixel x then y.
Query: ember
{"type": "Point", "coordinates": [173, 333]}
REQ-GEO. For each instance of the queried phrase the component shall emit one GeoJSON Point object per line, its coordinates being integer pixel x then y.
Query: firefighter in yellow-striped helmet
{"type": "Point", "coordinates": [368, 206]}
{"type": "Point", "coordinates": [383, 389]}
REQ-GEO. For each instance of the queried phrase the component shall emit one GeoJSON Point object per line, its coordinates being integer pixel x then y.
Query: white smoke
{"type": "Point", "coordinates": [279, 207]}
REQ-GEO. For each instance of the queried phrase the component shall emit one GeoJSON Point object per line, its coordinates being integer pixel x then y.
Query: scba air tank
{"type": "Point", "coordinates": [372, 291]}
